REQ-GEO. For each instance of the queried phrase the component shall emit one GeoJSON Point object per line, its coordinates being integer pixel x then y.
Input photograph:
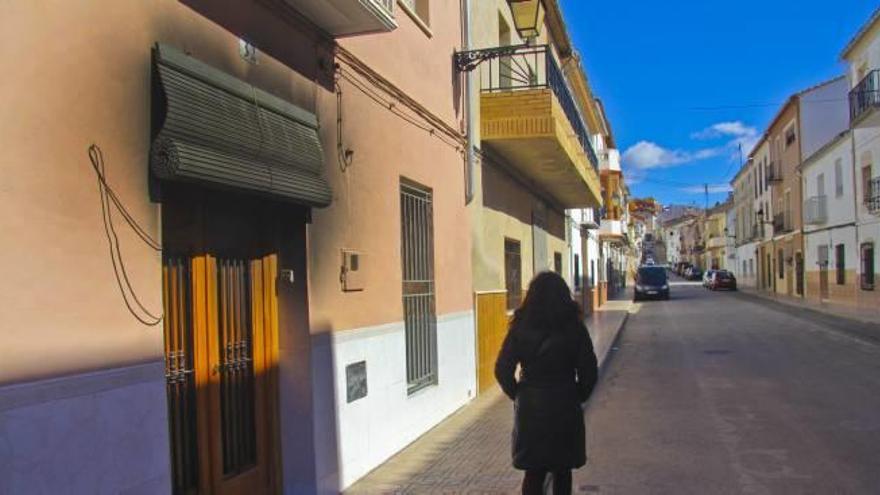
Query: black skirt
{"type": "Point", "coordinates": [549, 432]}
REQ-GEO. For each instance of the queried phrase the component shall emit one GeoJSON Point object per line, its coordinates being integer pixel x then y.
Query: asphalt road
{"type": "Point", "coordinates": [718, 393]}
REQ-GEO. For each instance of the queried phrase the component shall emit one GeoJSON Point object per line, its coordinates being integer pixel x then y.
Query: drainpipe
{"type": "Point", "coordinates": [468, 107]}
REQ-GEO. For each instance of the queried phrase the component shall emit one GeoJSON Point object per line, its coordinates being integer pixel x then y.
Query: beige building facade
{"type": "Point", "coordinates": [534, 161]}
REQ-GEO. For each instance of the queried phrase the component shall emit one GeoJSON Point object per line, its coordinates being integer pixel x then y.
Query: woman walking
{"type": "Point", "coordinates": [548, 340]}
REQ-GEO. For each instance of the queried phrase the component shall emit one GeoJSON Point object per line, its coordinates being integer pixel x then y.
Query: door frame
{"type": "Point", "coordinates": [193, 202]}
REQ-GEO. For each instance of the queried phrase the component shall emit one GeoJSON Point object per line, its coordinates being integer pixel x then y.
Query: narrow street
{"type": "Point", "coordinates": [714, 393]}
{"type": "Point", "coordinates": [710, 392]}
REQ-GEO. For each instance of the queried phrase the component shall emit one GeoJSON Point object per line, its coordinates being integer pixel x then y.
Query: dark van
{"type": "Point", "coordinates": [651, 283]}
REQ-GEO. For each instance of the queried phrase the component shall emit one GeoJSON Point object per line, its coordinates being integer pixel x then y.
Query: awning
{"type": "Point", "coordinates": [221, 131]}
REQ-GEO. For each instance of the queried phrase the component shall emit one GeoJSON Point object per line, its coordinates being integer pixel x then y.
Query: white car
{"type": "Point", "coordinates": [707, 277]}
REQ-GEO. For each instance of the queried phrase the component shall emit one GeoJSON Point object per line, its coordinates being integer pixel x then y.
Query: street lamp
{"type": "Point", "coordinates": [528, 16]}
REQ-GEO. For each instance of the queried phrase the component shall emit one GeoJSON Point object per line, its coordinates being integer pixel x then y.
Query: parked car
{"type": "Point", "coordinates": [651, 282]}
{"type": "Point", "coordinates": [707, 277]}
{"type": "Point", "coordinates": [694, 273]}
{"type": "Point", "coordinates": [723, 279]}
{"type": "Point", "coordinates": [681, 268]}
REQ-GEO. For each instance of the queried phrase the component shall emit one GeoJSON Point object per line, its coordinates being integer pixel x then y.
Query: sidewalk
{"type": "Point", "coordinates": [469, 453]}
{"type": "Point", "coordinates": [863, 315]}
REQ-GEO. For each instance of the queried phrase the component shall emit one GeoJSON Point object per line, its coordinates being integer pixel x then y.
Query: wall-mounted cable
{"type": "Point", "coordinates": [110, 200]}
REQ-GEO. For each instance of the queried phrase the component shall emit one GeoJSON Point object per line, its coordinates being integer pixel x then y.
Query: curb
{"type": "Point", "coordinates": [609, 356]}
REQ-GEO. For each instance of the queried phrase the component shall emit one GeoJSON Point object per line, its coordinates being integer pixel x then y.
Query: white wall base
{"type": "Point", "coordinates": [351, 439]}
{"type": "Point", "coordinates": [101, 432]}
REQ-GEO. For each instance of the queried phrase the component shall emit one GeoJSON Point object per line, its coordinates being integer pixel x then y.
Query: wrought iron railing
{"type": "Point", "coordinates": [865, 95]}
{"type": "Point", "coordinates": [872, 196]}
{"type": "Point", "coordinates": [388, 5]}
{"type": "Point", "coordinates": [781, 223]}
{"type": "Point", "coordinates": [518, 68]}
{"type": "Point", "coordinates": [816, 210]}
{"type": "Point", "coordinates": [774, 172]}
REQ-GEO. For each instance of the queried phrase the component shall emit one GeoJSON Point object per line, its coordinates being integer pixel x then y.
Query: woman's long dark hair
{"type": "Point", "coordinates": [548, 306]}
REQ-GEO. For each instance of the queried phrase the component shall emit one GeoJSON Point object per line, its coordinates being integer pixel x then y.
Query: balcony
{"type": "Point", "coordinates": [872, 198]}
{"type": "Point", "coordinates": [816, 210]}
{"type": "Point", "coordinates": [347, 17]}
{"type": "Point", "coordinates": [717, 242]}
{"type": "Point", "coordinates": [611, 230]}
{"type": "Point", "coordinates": [609, 160]}
{"type": "Point", "coordinates": [864, 96]}
{"type": "Point", "coordinates": [781, 224]}
{"type": "Point", "coordinates": [529, 117]}
{"type": "Point", "coordinates": [774, 172]}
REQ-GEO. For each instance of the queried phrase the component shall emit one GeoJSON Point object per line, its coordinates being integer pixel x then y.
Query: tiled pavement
{"type": "Point", "coordinates": [469, 453]}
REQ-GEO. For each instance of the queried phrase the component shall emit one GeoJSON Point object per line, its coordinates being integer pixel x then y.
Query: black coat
{"type": "Point", "coordinates": [558, 375]}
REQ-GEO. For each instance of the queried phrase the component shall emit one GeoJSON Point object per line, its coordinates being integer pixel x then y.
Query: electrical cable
{"type": "Point", "coordinates": [393, 108]}
{"type": "Point", "coordinates": [97, 159]}
{"type": "Point", "coordinates": [108, 197]}
{"type": "Point", "coordinates": [366, 72]}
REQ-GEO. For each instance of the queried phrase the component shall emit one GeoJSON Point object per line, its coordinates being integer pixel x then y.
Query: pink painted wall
{"type": "Point", "coordinates": [365, 215]}
{"type": "Point", "coordinates": [82, 75]}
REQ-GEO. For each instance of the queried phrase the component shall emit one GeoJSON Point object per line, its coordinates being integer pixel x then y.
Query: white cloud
{"type": "Point", "coordinates": [647, 154]}
{"type": "Point", "coordinates": [734, 129]}
{"type": "Point", "coordinates": [713, 189]}
{"type": "Point", "coordinates": [739, 135]}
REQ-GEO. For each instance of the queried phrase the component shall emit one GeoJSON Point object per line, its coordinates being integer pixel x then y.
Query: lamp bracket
{"type": "Point", "coordinates": [467, 61]}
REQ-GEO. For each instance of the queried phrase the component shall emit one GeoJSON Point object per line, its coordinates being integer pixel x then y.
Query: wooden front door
{"type": "Point", "coordinates": [823, 272]}
{"type": "Point", "coordinates": [492, 323]}
{"type": "Point", "coordinates": [221, 332]}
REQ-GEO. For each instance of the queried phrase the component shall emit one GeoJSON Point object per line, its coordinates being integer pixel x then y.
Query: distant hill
{"type": "Point", "coordinates": [671, 212]}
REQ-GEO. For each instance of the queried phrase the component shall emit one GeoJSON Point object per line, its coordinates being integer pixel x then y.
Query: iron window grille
{"type": "Point", "coordinates": [512, 273]}
{"type": "Point", "coordinates": [420, 320]}
{"type": "Point", "coordinates": [867, 277]}
{"type": "Point", "coordinates": [872, 195]}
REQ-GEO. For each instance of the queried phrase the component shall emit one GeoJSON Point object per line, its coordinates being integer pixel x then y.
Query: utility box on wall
{"type": "Point", "coordinates": [351, 276]}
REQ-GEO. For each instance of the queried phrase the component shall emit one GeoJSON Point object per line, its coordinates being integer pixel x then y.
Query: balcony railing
{"type": "Point", "coordinates": [865, 95]}
{"type": "Point", "coordinates": [774, 172]}
{"type": "Point", "coordinates": [816, 210]}
{"type": "Point", "coordinates": [518, 68]}
{"type": "Point", "coordinates": [872, 196]}
{"type": "Point", "coordinates": [781, 223]}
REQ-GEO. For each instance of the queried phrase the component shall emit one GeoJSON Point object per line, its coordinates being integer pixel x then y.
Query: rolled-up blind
{"type": "Point", "coordinates": [221, 131]}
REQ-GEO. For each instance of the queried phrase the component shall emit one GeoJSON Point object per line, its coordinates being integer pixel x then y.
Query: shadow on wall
{"type": "Point", "coordinates": [326, 422]}
{"type": "Point", "coordinates": [503, 194]}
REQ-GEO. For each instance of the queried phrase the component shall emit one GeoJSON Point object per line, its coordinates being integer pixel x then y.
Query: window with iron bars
{"type": "Point", "coordinates": [420, 319]}
{"type": "Point", "coordinates": [867, 266]}
{"type": "Point", "coordinates": [512, 273]}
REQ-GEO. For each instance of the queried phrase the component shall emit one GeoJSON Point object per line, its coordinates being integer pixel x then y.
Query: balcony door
{"type": "Point", "coordinates": [221, 326]}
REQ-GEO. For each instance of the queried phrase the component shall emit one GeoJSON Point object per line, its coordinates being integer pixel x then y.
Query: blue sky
{"type": "Point", "coordinates": [686, 82]}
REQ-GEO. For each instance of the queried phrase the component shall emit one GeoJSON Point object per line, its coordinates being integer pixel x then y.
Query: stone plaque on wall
{"type": "Point", "coordinates": [356, 381]}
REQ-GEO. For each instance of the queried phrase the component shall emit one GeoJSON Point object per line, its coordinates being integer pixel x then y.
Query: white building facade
{"type": "Point", "coordinates": [862, 56]}
{"type": "Point", "coordinates": [831, 245]}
